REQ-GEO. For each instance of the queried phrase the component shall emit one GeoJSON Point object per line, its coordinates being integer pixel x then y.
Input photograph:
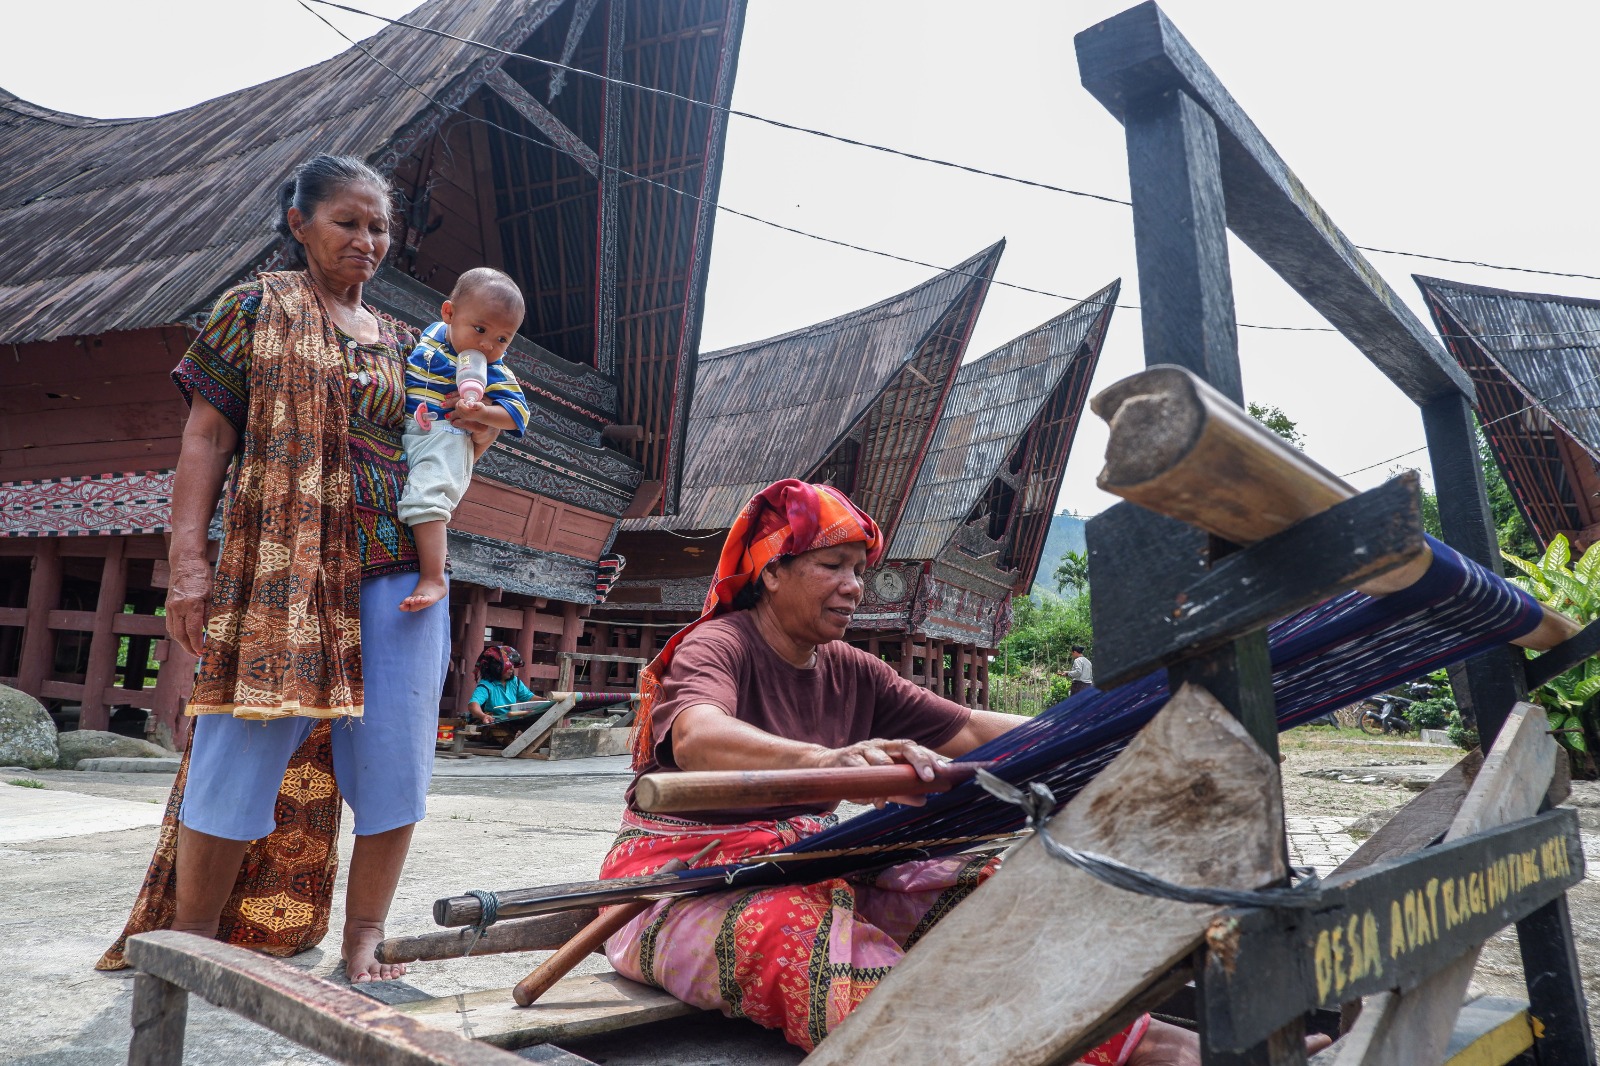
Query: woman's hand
{"type": "Point", "coordinates": [1168, 1045]}
{"type": "Point", "coordinates": [188, 597]}
{"type": "Point", "coordinates": [877, 752]}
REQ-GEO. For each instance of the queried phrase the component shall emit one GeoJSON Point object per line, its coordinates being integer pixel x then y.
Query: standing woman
{"type": "Point", "coordinates": [300, 386]}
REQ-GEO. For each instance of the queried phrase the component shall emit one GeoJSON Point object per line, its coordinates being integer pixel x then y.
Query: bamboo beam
{"type": "Point", "coordinates": [1182, 449]}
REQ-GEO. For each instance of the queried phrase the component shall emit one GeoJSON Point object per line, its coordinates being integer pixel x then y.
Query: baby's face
{"type": "Point", "coordinates": [486, 325]}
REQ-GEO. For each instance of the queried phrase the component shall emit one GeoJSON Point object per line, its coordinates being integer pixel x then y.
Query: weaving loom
{"type": "Point", "coordinates": [1324, 657]}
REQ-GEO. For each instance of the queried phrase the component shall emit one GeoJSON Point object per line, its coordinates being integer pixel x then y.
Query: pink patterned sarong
{"type": "Point", "coordinates": [793, 957]}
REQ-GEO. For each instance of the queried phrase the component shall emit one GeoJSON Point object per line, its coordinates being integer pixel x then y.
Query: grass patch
{"type": "Point", "coordinates": [25, 782]}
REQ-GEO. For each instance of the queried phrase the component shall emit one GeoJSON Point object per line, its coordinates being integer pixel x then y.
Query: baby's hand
{"type": "Point", "coordinates": [470, 407]}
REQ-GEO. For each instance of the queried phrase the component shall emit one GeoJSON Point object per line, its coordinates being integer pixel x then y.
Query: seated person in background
{"type": "Point", "coordinates": [498, 684]}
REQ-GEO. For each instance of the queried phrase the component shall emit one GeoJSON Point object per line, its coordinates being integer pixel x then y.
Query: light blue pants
{"type": "Point", "coordinates": [383, 760]}
{"type": "Point", "coordinates": [438, 470]}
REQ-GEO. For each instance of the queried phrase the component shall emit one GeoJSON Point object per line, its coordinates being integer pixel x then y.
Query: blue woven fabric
{"type": "Point", "coordinates": [1325, 657]}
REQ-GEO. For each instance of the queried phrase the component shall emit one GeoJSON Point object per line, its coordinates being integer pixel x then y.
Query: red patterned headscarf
{"type": "Point", "coordinates": [788, 517]}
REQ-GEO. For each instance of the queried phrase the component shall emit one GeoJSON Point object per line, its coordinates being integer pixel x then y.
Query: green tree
{"type": "Point", "coordinates": [1281, 424]}
{"type": "Point", "coordinates": [1043, 633]}
{"type": "Point", "coordinates": [1073, 572]}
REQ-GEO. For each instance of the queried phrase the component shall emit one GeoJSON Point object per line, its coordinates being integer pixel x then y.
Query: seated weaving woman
{"type": "Point", "coordinates": [763, 680]}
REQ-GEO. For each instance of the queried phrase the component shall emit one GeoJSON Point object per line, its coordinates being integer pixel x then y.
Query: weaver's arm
{"type": "Point", "coordinates": [704, 738]}
{"type": "Point", "coordinates": [981, 728]}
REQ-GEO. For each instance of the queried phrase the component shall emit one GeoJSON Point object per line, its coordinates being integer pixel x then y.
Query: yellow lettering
{"type": "Point", "coordinates": [1475, 890]}
{"type": "Point", "coordinates": [1323, 963]}
{"type": "Point", "coordinates": [1337, 948]}
{"type": "Point", "coordinates": [1464, 897]}
{"type": "Point", "coordinates": [1433, 906]}
{"type": "Point", "coordinates": [1352, 939]}
{"type": "Point", "coordinates": [1410, 905]}
{"type": "Point", "coordinates": [1397, 931]}
{"type": "Point", "coordinates": [1452, 918]}
{"type": "Point", "coordinates": [1369, 943]}
{"type": "Point", "coordinates": [1530, 868]}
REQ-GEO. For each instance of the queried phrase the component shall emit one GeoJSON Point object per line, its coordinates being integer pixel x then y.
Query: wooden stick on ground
{"type": "Point", "coordinates": [591, 938]}
{"type": "Point", "coordinates": [710, 790]}
{"type": "Point", "coordinates": [1182, 449]}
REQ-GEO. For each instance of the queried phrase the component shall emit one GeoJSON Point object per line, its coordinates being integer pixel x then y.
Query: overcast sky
{"type": "Point", "coordinates": [1461, 130]}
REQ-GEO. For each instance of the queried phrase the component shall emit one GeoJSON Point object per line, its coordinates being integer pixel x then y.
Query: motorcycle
{"type": "Point", "coordinates": [1383, 714]}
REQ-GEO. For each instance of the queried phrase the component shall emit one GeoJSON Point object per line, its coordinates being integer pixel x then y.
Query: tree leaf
{"type": "Point", "coordinates": [1557, 555]}
{"type": "Point", "coordinates": [1574, 590]}
{"type": "Point", "coordinates": [1589, 565]}
{"type": "Point", "coordinates": [1576, 741]}
{"type": "Point", "coordinates": [1535, 584]}
{"type": "Point", "coordinates": [1587, 689]}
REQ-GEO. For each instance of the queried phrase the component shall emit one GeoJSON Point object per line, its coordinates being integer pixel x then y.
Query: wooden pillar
{"type": "Point", "coordinates": [571, 627]}
{"type": "Point", "coordinates": [477, 619]}
{"type": "Point", "coordinates": [174, 686]}
{"type": "Point", "coordinates": [44, 596]}
{"type": "Point", "coordinates": [524, 644]}
{"type": "Point", "coordinates": [160, 1014]}
{"type": "Point", "coordinates": [936, 665]}
{"type": "Point", "coordinates": [103, 643]}
{"type": "Point", "coordinates": [906, 649]}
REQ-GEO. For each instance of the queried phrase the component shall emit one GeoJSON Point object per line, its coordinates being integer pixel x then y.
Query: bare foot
{"type": "Point", "coordinates": [360, 955]}
{"type": "Point", "coordinates": [427, 593]}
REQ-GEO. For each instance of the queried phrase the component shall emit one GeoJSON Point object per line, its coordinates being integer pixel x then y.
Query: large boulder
{"type": "Point", "coordinates": [80, 744]}
{"type": "Point", "coordinates": [27, 735]}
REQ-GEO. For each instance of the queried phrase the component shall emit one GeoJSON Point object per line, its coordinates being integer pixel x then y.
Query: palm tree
{"type": "Point", "coordinates": [1072, 570]}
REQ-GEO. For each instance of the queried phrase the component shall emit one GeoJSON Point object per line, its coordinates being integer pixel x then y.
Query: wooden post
{"type": "Point", "coordinates": [44, 596]}
{"type": "Point", "coordinates": [1186, 295]}
{"type": "Point", "coordinates": [174, 685]}
{"type": "Point", "coordinates": [160, 1013]}
{"type": "Point", "coordinates": [103, 643]}
{"type": "Point", "coordinates": [525, 637]}
{"type": "Point", "coordinates": [906, 642]}
{"type": "Point", "coordinates": [477, 619]}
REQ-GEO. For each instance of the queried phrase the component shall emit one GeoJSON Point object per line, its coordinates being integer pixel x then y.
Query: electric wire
{"type": "Point", "coordinates": [885, 149]}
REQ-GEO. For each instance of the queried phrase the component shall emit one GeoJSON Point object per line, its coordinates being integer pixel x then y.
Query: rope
{"type": "Point", "coordinates": [490, 913]}
{"type": "Point", "coordinates": [1037, 801]}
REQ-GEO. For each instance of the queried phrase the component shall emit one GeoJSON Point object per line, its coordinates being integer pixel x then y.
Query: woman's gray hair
{"type": "Point", "coordinates": [313, 183]}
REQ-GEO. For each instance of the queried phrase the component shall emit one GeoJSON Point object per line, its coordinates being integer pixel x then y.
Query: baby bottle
{"type": "Point", "coordinates": [472, 374]}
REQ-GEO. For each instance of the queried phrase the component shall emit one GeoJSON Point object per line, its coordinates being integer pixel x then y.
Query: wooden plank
{"type": "Point", "coordinates": [588, 742]}
{"type": "Point", "coordinates": [160, 1013]}
{"type": "Point", "coordinates": [1414, 1027]}
{"type": "Point", "coordinates": [59, 690]}
{"type": "Point", "coordinates": [44, 595]}
{"type": "Point", "coordinates": [530, 738]}
{"type": "Point", "coordinates": [1192, 799]}
{"type": "Point", "coordinates": [333, 1021]}
{"type": "Point", "coordinates": [142, 625]}
{"type": "Point", "coordinates": [578, 1006]}
{"type": "Point", "coordinates": [544, 932]}
{"type": "Point", "coordinates": [505, 618]}
{"type": "Point", "coordinates": [72, 621]}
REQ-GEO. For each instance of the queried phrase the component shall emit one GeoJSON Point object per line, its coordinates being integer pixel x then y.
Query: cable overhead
{"type": "Point", "coordinates": [917, 157]}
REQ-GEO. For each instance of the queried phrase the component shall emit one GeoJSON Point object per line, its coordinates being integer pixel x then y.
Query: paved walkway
{"type": "Point", "coordinates": [29, 814]}
{"type": "Point", "coordinates": [1321, 843]}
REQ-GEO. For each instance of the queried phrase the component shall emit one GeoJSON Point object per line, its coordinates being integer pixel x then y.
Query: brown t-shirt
{"type": "Point", "coordinates": [848, 696]}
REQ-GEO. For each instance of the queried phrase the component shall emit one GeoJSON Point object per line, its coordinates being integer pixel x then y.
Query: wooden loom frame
{"type": "Point", "coordinates": [1198, 167]}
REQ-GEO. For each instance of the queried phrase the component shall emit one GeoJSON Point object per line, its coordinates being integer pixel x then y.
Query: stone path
{"type": "Point", "coordinates": [1318, 842]}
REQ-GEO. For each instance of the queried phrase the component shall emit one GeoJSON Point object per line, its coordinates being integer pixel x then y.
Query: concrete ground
{"type": "Point", "coordinates": [72, 855]}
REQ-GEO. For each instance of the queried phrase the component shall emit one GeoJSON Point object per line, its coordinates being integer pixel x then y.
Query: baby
{"type": "Point", "coordinates": [482, 315]}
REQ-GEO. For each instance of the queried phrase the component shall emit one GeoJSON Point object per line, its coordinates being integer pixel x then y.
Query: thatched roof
{"type": "Point", "coordinates": [996, 400]}
{"type": "Point", "coordinates": [1534, 360]}
{"type": "Point", "coordinates": [126, 223]}
{"type": "Point", "coordinates": [777, 408]}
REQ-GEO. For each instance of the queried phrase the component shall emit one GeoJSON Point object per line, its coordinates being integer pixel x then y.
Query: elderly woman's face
{"type": "Point", "coordinates": [347, 236]}
{"type": "Point", "coordinates": [815, 597]}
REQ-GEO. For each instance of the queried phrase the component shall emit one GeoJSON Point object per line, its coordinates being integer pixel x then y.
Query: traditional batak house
{"type": "Point", "coordinates": [596, 197]}
{"type": "Point", "coordinates": [961, 465]}
{"type": "Point", "coordinates": [1535, 362]}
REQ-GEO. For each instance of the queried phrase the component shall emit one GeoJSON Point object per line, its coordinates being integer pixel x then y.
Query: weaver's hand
{"type": "Point", "coordinates": [877, 752]}
{"type": "Point", "coordinates": [188, 596]}
{"type": "Point", "coordinates": [1168, 1045]}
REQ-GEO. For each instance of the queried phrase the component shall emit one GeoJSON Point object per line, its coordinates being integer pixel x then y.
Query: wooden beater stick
{"type": "Point", "coordinates": [711, 790]}
{"type": "Point", "coordinates": [591, 937]}
{"type": "Point", "coordinates": [1182, 449]}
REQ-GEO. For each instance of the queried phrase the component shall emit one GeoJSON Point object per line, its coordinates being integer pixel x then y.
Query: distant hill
{"type": "Point", "coordinates": [1066, 535]}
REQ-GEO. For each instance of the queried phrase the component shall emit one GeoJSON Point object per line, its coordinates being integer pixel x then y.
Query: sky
{"type": "Point", "coordinates": [1456, 130]}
